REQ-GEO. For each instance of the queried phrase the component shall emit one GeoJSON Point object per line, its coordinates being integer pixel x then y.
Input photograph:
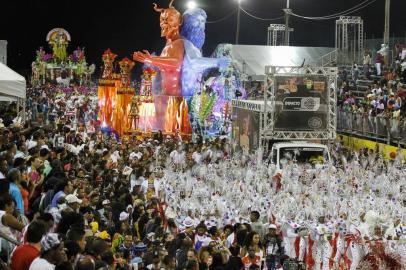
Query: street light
{"type": "Point", "coordinates": [191, 5]}
{"type": "Point", "coordinates": [237, 34]}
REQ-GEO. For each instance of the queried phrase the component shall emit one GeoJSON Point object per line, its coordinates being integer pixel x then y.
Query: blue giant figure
{"type": "Point", "coordinates": [193, 34]}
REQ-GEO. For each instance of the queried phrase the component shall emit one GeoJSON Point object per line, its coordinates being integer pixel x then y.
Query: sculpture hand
{"type": "Point", "coordinates": [142, 56]}
{"type": "Point", "coordinates": [223, 63]}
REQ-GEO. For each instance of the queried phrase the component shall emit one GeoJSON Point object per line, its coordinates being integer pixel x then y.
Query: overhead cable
{"type": "Point", "coordinates": [224, 18]}
{"type": "Point", "coordinates": [356, 8]}
{"type": "Point", "coordinates": [258, 18]}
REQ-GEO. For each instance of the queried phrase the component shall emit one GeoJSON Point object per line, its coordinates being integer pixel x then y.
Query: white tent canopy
{"type": "Point", "coordinates": [12, 84]}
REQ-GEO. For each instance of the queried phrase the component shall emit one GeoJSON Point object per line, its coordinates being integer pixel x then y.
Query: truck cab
{"type": "Point", "coordinates": [300, 152]}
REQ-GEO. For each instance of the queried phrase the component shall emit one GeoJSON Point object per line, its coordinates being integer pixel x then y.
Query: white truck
{"type": "Point", "coordinates": [301, 152]}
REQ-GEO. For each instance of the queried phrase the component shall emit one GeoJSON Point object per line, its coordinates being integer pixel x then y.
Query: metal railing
{"type": "Point", "coordinates": [329, 59]}
{"type": "Point", "coordinates": [379, 128]}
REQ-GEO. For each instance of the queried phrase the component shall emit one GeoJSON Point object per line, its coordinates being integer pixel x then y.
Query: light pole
{"type": "Point", "coordinates": [387, 23]}
{"type": "Point", "coordinates": [237, 34]}
{"type": "Point", "coordinates": [287, 11]}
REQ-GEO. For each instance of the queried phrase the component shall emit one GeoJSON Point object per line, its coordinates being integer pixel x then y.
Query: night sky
{"type": "Point", "coordinates": [128, 26]}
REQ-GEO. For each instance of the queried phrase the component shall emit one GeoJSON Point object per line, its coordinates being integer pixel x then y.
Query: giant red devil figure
{"type": "Point", "coordinates": [170, 61]}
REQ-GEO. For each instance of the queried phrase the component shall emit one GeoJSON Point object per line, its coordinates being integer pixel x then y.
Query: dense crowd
{"type": "Point", "coordinates": [386, 96]}
{"type": "Point", "coordinates": [72, 197]}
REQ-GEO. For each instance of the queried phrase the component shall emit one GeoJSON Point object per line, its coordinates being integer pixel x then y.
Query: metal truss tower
{"type": "Point", "coordinates": [350, 39]}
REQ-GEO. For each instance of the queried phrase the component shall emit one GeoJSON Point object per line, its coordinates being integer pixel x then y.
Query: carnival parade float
{"type": "Point", "coordinates": [183, 100]}
{"type": "Point", "coordinates": [58, 67]}
{"type": "Point", "coordinates": [178, 93]}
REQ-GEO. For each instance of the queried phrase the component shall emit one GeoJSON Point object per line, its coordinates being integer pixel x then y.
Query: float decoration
{"type": "Point", "coordinates": [201, 109]}
{"type": "Point", "coordinates": [121, 121]}
{"type": "Point", "coordinates": [148, 76]}
{"type": "Point", "coordinates": [57, 67]}
{"type": "Point", "coordinates": [58, 39]}
{"type": "Point", "coordinates": [147, 106]}
{"type": "Point", "coordinates": [169, 64]}
{"type": "Point", "coordinates": [126, 66]}
{"type": "Point", "coordinates": [134, 114]}
{"type": "Point", "coordinates": [108, 58]}
{"type": "Point", "coordinates": [107, 89]}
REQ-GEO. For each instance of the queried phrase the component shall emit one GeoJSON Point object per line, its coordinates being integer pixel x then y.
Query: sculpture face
{"type": "Point", "coordinates": [193, 27]}
{"type": "Point", "coordinates": [200, 22]}
{"type": "Point", "coordinates": [170, 22]}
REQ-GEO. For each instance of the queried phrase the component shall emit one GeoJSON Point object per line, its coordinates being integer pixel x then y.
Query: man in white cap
{"type": "Point", "coordinates": [124, 216]}
{"type": "Point", "coordinates": [72, 203]}
{"type": "Point", "coordinates": [188, 225]}
{"type": "Point", "coordinates": [106, 208]}
{"type": "Point", "coordinates": [31, 144]}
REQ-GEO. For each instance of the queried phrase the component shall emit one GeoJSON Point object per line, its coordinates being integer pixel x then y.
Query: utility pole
{"type": "Point", "coordinates": [237, 34]}
{"type": "Point", "coordinates": [387, 23]}
{"type": "Point", "coordinates": [287, 11]}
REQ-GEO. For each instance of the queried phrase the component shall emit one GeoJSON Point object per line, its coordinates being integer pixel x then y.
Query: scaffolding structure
{"type": "Point", "coordinates": [349, 39]}
{"type": "Point", "coordinates": [268, 131]}
{"type": "Point", "coordinates": [276, 34]}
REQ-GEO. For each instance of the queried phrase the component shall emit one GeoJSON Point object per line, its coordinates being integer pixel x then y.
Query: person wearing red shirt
{"type": "Point", "coordinates": [22, 256]}
{"type": "Point", "coordinates": [251, 259]}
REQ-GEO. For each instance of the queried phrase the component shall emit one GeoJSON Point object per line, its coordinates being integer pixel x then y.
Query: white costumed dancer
{"type": "Point", "coordinates": [323, 248]}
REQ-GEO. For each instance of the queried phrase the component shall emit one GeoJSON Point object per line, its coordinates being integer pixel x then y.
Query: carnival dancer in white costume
{"type": "Point", "coordinates": [322, 248]}
{"type": "Point", "coordinates": [303, 239]}
{"type": "Point", "coordinates": [289, 238]}
{"type": "Point", "coordinates": [349, 249]}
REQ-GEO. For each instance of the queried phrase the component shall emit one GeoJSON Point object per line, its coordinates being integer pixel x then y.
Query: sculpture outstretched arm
{"type": "Point", "coordinates": [200, 64]}
{"type": "Point", "coordinates": [158, 61]}
{"type": "Point", "coordinates": [171, 57]}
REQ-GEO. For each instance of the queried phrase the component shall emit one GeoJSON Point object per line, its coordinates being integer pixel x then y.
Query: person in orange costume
{"type": "Point", "coordinates": [171, 59]}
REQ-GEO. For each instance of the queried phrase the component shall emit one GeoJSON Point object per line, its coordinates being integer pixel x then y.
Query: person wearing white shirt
{"type": "Point", "coordinates": [134, 181]}
{"type": "Point", "coordinates": [174, 152]}
{"type": "Point", "coordinates": [178, 157]}
{"type": "Point", "coordinates": [403, 54]}
{"type": "Point", "coordinates": [157, 184]}
{"type": "Point", "coordinates": [289, 241]}
{"type": "Point", "coordinates": [52, 253]}
{"type": "Point", "coordinates": [115, 157]}
{"type": "Point", "coordinates": [376, 90]}
{"type": "Point", "coordinates": [197, 157]}
{"type": "Point", "coordinates": [381, 106]}
{"type": "Point", "coordinates": [363, 227]}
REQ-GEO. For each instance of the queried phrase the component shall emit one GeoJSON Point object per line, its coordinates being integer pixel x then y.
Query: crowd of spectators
{"type": "Point", "coordinates": [375, 90]}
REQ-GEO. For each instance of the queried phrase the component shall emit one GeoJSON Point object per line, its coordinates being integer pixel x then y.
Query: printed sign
{"type": "Point", "coordinates": [301, 103]}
